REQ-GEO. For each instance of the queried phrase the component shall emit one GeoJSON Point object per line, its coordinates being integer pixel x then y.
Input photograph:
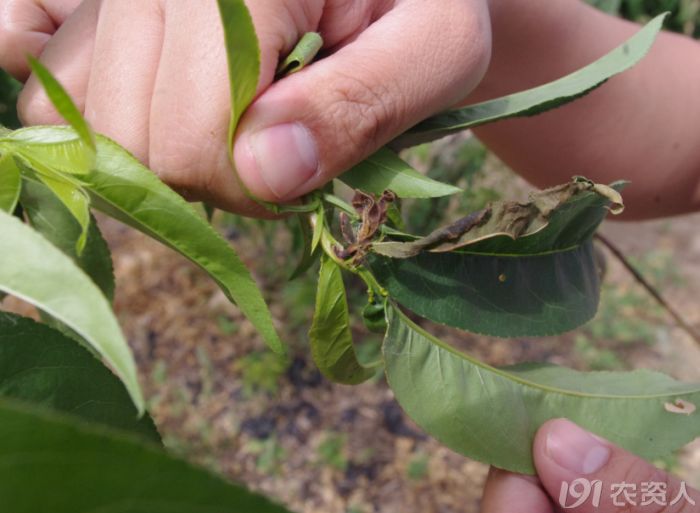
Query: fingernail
{"type": "Point", "coordinates": [575, 449]}
{"type": "Point", "coordinates": [286, 157]}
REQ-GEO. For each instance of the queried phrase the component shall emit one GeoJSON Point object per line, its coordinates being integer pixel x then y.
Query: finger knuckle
{"type": "Point", "coordinates": [35, 108]}
{"type": "Point", "coordinates": [7, 25]}
{"type": "Point", "coordinates": [361, 112]}
{"type": "Point", "coordinates": [184, 163]}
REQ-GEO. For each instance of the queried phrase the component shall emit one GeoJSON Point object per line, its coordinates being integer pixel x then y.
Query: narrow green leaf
{"type": "Point", "coordinates": [56, 465]}
{"type": "Point", "coordinates": [32, 269]}
{"type": "Point", "coordinates": [10, 183]}
{"type": "Point", "coordinates": [492, 415]}
{"type": "Point", "coordinates": [52, 219]}
{"type": "Point", "coordinates": [63, 103]}
{"type": "Point", "coordinates": [319, 226]}
{"type": "Point", "coordinates": [539, 99]}
{"type": "Point", "coordinates": [309, 254]}
{"type": "Point", "coordinates": [123, 188]}
{"type": "Point", "coordinates": [209, 211]}
{"type": "Point", "coordinates": [386, 171]}
{"type": "Point", "coordinates": [41, 366]}
{"type": "Point", "coordinates": [303, 54]}
{"type": "Point", "coordinates": [534, 275]}
{"type": "Point", "coordinates": [243, 53]}
{"type": "Point", "coordinates": [330, 335]}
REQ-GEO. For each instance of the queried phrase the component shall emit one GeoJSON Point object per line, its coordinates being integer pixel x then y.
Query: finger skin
{"type": "Point", "coordinates": [68, 55]}
{"type": "Point", "coordinates": [120, 88]}
{"type": "Point", "coordinates": [25, 28]}
{"type": "Point", "coordinates": [563, 453]}
{"type": "Point", "coordinates": [506, 492]}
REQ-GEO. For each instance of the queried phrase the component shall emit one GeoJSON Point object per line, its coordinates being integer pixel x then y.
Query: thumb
{"type": "Point", "coordinates": [308, 128]}
{"type": "Point", "coordinates": [586, 474]}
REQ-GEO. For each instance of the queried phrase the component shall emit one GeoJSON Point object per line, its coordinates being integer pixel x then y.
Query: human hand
{"type": "Point", "coordinates": [564, 453]}
{"type": "Point", "coordinates": [152, 75]}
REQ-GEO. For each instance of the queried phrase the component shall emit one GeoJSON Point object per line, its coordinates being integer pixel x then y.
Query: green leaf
{"type": "Point", "coordinates": [512, 270]}
{"type": "Point", "coordinates": [52, 219]}
{"type": "Point", "coordinates": [492, 415]}
{"type": "Point", "coordinates": [303, 54]}
{"type": "Point", "coordinates": [39, 365]}
{"type": "Point", "coordinates": [10, 183]}
{"type": "Point", "coordinates": [209, 211]}
{"type": "Point", "coordinates": [319, 226]}
{"type": "Point", "coordinates": [76, 202]}
{"type": "Point", "coordinates": [9, 90]}
{"type": "Point", "coordinates": [55, 465]}
{"type": "Point", "coordinates": [63, 103]}
{"type": "Point", "coordinates": [609, 6]}
{"type": "Point", "coordinates": [243, 53]}
{"type": "Point", "coordinates": [330, 335]}
{"type": "Point", "coordinates": [32, 269]}
{"type": "Point", "coordinates": [539, 99]}
{"type": "Point", "coordinates": [309, 253]}
{"type": "Point", "coordinates": [386, 171]}
{"type": "Point", "coordinates": [123, 188]}
{"type": "Point", "coordinates": [55, 160]}
{"type": "Point", "coordinates": [539, 295]}
{"type": "Point", "coordinates": [57, 152]}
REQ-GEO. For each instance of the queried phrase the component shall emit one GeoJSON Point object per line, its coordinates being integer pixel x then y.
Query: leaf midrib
{"type": "Point", "coordinates": [546, 388]}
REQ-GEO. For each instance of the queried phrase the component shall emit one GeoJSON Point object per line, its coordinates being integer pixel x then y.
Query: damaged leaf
{"type": "Point", "coordinates": [492, 414]}
{"type": "Point", "coordinates": [504, 219]}
{"type": "Point", "coordinates": [681, 407]}
{"type": "Point", "coordinates": [543, 282]}
{"type": "Point", "coordinates": [373, 213]}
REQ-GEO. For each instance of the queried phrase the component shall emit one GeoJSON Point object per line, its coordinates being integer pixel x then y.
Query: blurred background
{"type": "Point", "coordinates": [220, 399]}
